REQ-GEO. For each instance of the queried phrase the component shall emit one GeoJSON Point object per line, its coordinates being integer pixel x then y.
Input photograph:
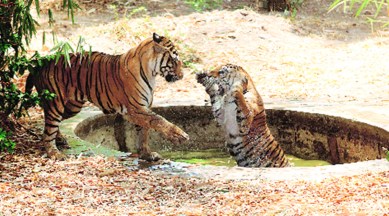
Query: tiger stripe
{"type": "Point", "coordinates": [238, 107]}
{"type": "Point", "coordinates": [122, 84]}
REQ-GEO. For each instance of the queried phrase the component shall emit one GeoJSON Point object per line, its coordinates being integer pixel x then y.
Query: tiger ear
{"type": "Point", "coordinates": [245, 84]}
{"type": "Point", "coordinates": [245, 80]}
{"type": "Point", "coordinates": [157, 38]}
{"type": "Point", "coordinates": [158, 48]}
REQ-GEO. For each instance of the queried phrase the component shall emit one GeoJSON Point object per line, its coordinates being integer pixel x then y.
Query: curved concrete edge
{"type": "Point", "coordinates": [82, 147]}
{"type": "Point", "coordinates": [373, 115]}
{"type": "Point", "coordinates": [354, 112]}
{"type": "Point", "coordinates": [376, 115]}
{"type": "Point", "coordinates": [310, 136]}
{"type": "Point", "coordinates": [370, 114]}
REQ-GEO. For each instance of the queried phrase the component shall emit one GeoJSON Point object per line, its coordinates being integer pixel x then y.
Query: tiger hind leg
{"type": "Point", "coordinates": [143, 147]}
{"type": "Point", "coordinates": [71, 109]}
{"type": "Point", "coordinates": [61, 142]}
{"type": "Point", "coordinates": [52, 121]}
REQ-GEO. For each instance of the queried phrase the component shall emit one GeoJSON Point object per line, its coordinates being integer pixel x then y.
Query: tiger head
{"type": "Point", "coordinates": [168, 63]}
{"type": "Point", "coordinates": [221, 79]}
{"type": "Point", "coordinates": [211, 84]}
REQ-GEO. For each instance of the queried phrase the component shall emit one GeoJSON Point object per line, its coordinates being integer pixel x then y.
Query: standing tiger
{"type": "Point", "coordinates": [239, 108]}
{"type": "Point", "coordinates": [122, 84]}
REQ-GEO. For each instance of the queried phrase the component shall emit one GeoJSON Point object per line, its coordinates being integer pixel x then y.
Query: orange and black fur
{"type": "Point", "coordinates": [239, 108]}
{"type": "Point", "coordinates": [122, 84]}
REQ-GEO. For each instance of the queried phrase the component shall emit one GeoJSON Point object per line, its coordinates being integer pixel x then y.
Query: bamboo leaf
{"type": "Point", "coordinates": [72, 15]}
{"type": "Point", "coordinates": [362, 7]}
{"type": "Point", "coordinates": [89, 55]}
{"type": "Point", "coordinates": [51, 18]}
{"type": "Point", "coordinates": [78, 45]}
{"type": "Point", "coordinates": [37, 7]}
{"type": "Point", "coordinates": [57, 56]}
{"type": "Point", "coordinates": [71, 48]}
{"type": "Point", "coordinates": [44, 38]}
{"type": "Point", "coordinates": [379, 7]}
{"type": "Point", "coordinates": [335, 4]}
{"type": "Point", "coordinates": [57, 46]}
{"type": "Point", "coordinates": [352, 3]}
{"type": "Point", "coordinates": [54, 37]}
{"type": "Point", "coordinates": [29, 5]}
{"type": "Point", "coordinates": [69, 2]}
{"type": "Point", "coordinates": [67, 57]}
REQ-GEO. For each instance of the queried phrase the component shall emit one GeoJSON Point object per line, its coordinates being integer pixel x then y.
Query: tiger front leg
{"type": "Point", "coordinates": [148, 119]}
{"type": "Point", "coordinates": [142, 145]}
{"type": "Point", "coordinates": [244, 112]}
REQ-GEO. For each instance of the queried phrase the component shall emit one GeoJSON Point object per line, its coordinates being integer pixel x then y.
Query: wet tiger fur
{"type": "Point", "coordinates": [239, 108]}
{"type": "Point", "coordinates": [122, 84]}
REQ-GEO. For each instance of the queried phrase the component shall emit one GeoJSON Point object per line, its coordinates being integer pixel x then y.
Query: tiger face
{"type": "Point", "coordinates": [222, 79]}
{"type": "Point", "coordinates": [168, 62]}
{"type": "Point", "coordinates": [211, 84]}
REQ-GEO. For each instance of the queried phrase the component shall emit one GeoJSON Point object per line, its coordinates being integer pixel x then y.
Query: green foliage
{"type": "Point", "coordinates": [294, 6]}
{"type": "Point", "coordinates": [5, 143]}
{"type": "Point", "coordinates": [189, 57]}
{"type": "Point", "coordinates": [361, 5]}
{"type": "Point", "coordinates": [17, 27]}
{"type": "Point", "coordinates": [138, 10]}
{"type": "Point", "coordinates": [71, 5]}
{"type": "Point", "coordinates": [201, 5]}
{"type": "Point", "coordinates": [349, 5]}
{"type": "Point", "coordinates": [386, 153]}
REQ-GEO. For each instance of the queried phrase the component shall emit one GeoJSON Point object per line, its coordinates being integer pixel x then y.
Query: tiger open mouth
{"type": "Point", "coordinates": [201, 77]}
{"type": "Point", "coordinates": [212, 85]}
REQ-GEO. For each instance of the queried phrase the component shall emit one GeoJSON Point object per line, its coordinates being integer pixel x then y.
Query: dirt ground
{"type": "Point", "coordinates": [318, 57]}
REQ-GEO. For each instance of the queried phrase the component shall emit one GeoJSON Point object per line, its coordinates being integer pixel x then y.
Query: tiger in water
{"type": "Point", "coordinates": [239, 109]}
{"type": "Point", "coordinates": [122, 84]}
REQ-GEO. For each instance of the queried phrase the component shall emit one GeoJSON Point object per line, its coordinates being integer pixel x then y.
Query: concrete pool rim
{"type": "Point", "coordinates": [337, 131]}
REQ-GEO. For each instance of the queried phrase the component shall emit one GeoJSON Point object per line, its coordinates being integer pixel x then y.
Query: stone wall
{"type": "Point", "coordinates": [305, 135]}
{"type": "Point", "coordinates": [333, 139]}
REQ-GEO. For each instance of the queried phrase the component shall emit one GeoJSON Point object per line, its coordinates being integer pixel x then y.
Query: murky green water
{"type": "Point", "coordinates": [206, 157]}
{"type": "Point", "coordinates": [218, 158]}
{"type": "Point", "coordinates": [79, 146]}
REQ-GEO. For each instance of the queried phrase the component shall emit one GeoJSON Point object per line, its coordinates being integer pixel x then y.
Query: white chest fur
{"type": "Point", "coordinates": [227, 117]}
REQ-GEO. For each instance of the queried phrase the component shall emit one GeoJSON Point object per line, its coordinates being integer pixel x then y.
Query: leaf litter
{"type": "Point", "coordinates": [33, 185]}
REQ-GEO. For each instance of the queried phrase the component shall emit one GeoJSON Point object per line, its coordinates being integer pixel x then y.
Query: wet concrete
{"type": "Point", "coordinates": [80, 147]}
{"type": "Point", "coordinates": [370, 114]}
{"type": "Point", "coordinates": [306, 135]}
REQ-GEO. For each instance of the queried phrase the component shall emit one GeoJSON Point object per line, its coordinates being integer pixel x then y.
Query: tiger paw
{"type": "Point", "coordinates": [177, 136]}
{"type": "Point", "coordinates": [54, 153]}
{"type": "Point", "coordinates": [62, 143]}
{"type": "Point", "coordinates": [150, 156]}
